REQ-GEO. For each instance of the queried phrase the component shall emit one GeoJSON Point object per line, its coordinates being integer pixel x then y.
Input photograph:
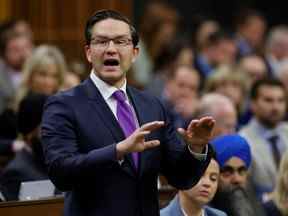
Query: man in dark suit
{"type": "Point", "coordinates": [105, 142]}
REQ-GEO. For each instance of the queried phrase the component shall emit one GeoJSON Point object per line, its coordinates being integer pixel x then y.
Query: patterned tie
{"type": "Point", "coordinates": [125, 118]}
{"type": "Point", "coordinates": [275, 151]}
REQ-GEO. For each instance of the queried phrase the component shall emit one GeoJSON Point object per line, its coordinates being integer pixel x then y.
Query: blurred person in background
{"type": "Point", "coordinates": [283, 77]}
{"type": "Point", "coordinates": [220, 49]}
{"type": "Point", "coordinates": [229, 82]}
{"type": "Point", "coordinates": [70, 80]}
{"type": "Point", "coordinates": [222, 110]}
{"type": "Point", "coordinates": [180, 95]}
{"type": "Point", "coordinates": [254, 68]}
{"type": "Point", "coordinates": [43, 72]}
{"type": "Point", "coordinates": [193, 201]}
{"type": "Point", "coordinates": [78, 67]}
{"type": "Point", "coordinates": [235, 195]}
{"type": "Point", "coordinates": [19, 26]}
{"type": "Point", "coordinates": [277, 202]}
{"type": "Point", "coordinates": [178, 52]}
{"type": "Point", "coordinates": [276, 52]}
{"type": "Point", "coordinates": [250, 32]}
{"type": "Point", "coordinates": [15, 48]}
{"type": "Point", "coordinates": [266, 133]}
{"type": "Point", "coordinates": [158, 27]}
{"type": "Point", "coordinates": [28, 164]}
{"type": "Point", "coordinates": [205, 28]}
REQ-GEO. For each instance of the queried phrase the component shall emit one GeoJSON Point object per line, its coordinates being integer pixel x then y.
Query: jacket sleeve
{"type": "Point", "coordinates": [179, 166]}
{"type": "Point", "coordinates": [67, 166]}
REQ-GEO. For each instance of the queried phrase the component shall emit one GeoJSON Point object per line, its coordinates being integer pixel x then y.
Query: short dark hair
{"type": "Point", "coordinates": [6, 37]}
{"type": "Point", "coordinates": [218, 36]}
{"type": "Point", "coordinates": [106, 14]}
{"type": "Point", "coordinates": [173, 69]}
{"type": "Point", "coordinates": [264, 82]}
{"type": "Point", "coordinates": [30, 112]}
{"type": "Point", "coordinates": [244, 15]}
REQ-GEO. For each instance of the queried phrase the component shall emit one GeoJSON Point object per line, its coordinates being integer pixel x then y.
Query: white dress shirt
{"type": "Point", "coordinates": [107, 91]}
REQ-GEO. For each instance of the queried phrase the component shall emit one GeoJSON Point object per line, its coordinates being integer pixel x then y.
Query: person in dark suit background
{"type": "Point", "coordinates": [106, 168]}
{"type": "Point", "coordinates": [28, 164]}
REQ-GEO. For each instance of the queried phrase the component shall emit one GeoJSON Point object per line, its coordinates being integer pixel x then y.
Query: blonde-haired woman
{"type": "Point", "coordinates": [277, 205]}
{"type": "Point", "coordinates": [43, 72]}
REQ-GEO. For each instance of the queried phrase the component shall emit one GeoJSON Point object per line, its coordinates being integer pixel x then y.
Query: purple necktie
{"type": "Point", "coordinates": [125, 118]}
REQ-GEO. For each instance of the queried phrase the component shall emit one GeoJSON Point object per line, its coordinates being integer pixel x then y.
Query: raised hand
{"type": "Point", "coordinates": [198, 133]}
{"type": "Point", "coordinates": [136, 141]}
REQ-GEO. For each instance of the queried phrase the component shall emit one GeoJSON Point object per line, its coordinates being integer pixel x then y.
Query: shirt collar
{"type": "Point", "coordinates": [105, 89]}
{"type": "Point", "coordinates": [265, 132]}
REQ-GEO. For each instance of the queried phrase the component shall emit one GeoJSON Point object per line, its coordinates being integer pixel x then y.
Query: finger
{"type": "Point", "coordinates": [151, 144]}
{"type": "Point", "coordinates": [141, 134]}
{"type": "Point", "coordinates": [207, 119]}
{"type": "Point", "coordinates": [150, 126]}
{"type": "Point", "coordinates": [182, 132]}
{"type": "Point", "coordinates": [207, 122]}
{"type": "Point", "coordinates": [193, 124]}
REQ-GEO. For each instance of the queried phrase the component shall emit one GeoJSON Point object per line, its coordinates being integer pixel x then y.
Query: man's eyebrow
{"type": "Point", "coordinates": [106, 37]}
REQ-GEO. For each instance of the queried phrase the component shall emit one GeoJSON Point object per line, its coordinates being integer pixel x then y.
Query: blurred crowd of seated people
{"type": "Point", "coordinates": [238, 75]}
{"type": "Point", "coordinates": [28, 75]}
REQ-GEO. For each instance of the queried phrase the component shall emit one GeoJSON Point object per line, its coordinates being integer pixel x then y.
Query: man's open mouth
{"type": "Point", "coordinates": [111, 62]}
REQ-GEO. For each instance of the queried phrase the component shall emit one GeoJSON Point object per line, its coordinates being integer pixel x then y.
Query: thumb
{"type": "Point", "coordinates": [181, 131]}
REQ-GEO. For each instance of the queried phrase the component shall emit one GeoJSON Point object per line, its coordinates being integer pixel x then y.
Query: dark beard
{"type": "Point", "coordinates": [268, 124]}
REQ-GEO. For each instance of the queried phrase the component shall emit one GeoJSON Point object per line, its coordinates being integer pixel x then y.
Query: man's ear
{"type": "Point", "coordinates": [135, 53]}
{"type": "Point", "coordinates": [88, 53]}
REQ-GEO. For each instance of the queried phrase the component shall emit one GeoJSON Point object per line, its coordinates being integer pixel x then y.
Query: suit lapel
{"type": "Point", "coordinates": [100, 106]}
{"type": "Point", "coordinates": [104, 112]}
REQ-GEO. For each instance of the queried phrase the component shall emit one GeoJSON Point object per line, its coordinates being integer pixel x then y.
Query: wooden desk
{"type": "Point", "coordinates": [54, 206]}
{"type": "Point", "coordinates": [47, 207]}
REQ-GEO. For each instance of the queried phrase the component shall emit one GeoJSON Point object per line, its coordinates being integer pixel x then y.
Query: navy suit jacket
{"type": "Point", "coordinates": [80, 133]}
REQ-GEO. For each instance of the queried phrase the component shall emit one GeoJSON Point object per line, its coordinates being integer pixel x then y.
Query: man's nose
{"type": "Point", "coordinates": [111, 47]}
{"type": "Point", "coordinates": [236, 178]}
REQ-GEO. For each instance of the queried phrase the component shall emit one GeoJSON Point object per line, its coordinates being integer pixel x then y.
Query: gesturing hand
{"type": "Point", "coordinates": [136, 141]}
{"type": "Point", "coordinates": [198, 133]}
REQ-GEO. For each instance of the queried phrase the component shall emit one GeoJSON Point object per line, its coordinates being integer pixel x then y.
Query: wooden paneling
{"type": "Point", "coordinates": [62, 22]}
{"type": "Point", "coordinates": [5, 10]}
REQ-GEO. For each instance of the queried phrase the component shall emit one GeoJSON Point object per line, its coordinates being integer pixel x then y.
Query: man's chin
{"type": "Point", "coordinates": [111, 69]}
{"type": "Point", "coordinates": [112, 80]}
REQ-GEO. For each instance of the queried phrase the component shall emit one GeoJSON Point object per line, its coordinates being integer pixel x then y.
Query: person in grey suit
{"type": "Point", "coordinates": [15, 48]}
{"type": "Point", "coordinates": [193, 201]}
{"type": "Point", "coordinates": [266, 133]}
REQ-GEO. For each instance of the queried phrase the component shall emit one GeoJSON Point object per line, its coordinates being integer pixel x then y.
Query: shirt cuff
{"type": "Point", "coordinates": [120, 161]}
{"type": "Point", "coordinates": [199, 156]}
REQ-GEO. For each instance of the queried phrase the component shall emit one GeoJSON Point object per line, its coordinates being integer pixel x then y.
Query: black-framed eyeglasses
{"type": "Point", "coordinates": [229, 170]}
{"type": "Point", "coordinates": [103, 43]}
